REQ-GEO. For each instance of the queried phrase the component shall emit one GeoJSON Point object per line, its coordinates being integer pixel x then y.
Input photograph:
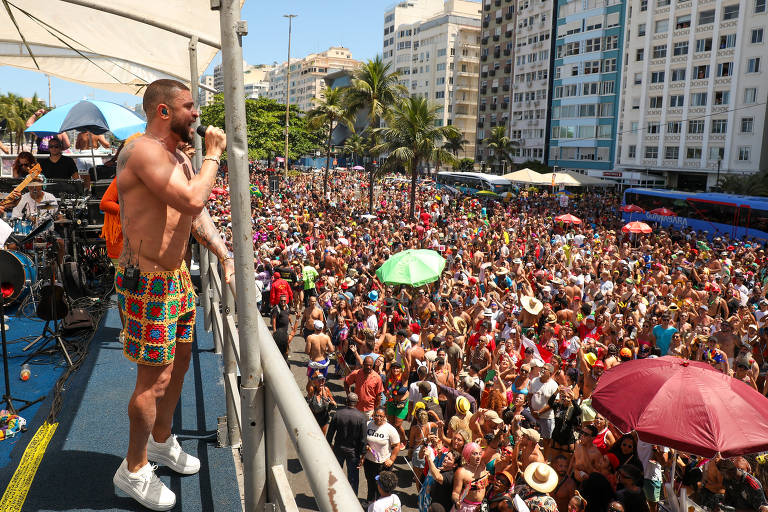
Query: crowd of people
{"type": "Point", "coordinates": [477, 387]}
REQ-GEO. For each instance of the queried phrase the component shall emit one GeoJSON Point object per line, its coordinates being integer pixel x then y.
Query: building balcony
{"type": "Point", "coordinates": [505, 87]}
{"type": "Point", "coordinates": [496, 37]}
{"type": "Point", "coordinates": [498, 20]}
{"type": "Point", "coordinates": [491, 72]}
{"type": "Point", "coordinates": [484, 58]}
{"type": "Point", "coordinates": [493, 124]}
{"type": "Point", "coordinates": [507, 52]}
{"type": "Point", "coordinates": [484, 40]}
{"type": "Point", "coordinates": [508, 68]}
{"type": "Point", "coordinates": [485, 24]}
{"type": "Point", "coordinates": [508, 16]}
{"type": "Point", "coordinates": [480, 124]}
{"type": "Point", "coordinates": [496, 54]}
{"type": "Point", "coordinates": [482, 107]}
{"type": "Point", "coordinates": [504, 106]}
{"type": "Point", "coordinates": [483, 90]}
{"type": "Point", "coordinates": [487, 7]}
{"type": "Point", "coordinates": [494, 90]}
{"type": "Point", "coordinates": [494, 106]}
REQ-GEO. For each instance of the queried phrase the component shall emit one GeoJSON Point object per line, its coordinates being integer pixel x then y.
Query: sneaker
{"type": "Point", "coordinates": [144, 487]}
{"type": "Point", "coordinates": [170, 454]}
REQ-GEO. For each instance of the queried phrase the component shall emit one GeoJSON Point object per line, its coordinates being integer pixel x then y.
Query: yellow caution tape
{"type": "Point", "coordinates": [16, 493]}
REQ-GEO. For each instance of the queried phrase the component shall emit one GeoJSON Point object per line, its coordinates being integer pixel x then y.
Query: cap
{"type": "Point", "coordinates": [531, 434]}
{"type": "Point", "coordinates": [494, 417]}
{"type": "Point", "coordinates": [318, 324]}
{"type": "Point", "coordinates": [625, 352]}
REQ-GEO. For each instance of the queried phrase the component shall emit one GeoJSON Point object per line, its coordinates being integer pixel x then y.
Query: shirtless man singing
{"type": "Point", "coordinates": [161, 201]}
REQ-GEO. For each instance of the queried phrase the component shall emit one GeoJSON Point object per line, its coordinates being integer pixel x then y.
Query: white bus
{"type": "Point", "coordinates": [472, 182]}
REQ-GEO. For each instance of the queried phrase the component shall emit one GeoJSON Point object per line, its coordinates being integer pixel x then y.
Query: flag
{"type": "Point", "coordinates": [553, 179]}
{"type": "Point", "coordinates": [539, 352]}
{"type": "Point", "coordinates": [506, 237]}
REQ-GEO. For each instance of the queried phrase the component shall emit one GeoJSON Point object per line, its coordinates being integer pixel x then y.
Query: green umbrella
{"type": "Point", "coordinates": [413, 267]}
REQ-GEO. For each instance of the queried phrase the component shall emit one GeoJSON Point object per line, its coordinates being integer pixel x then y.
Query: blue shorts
{"type": "Point", "coordinates": [652, 490]}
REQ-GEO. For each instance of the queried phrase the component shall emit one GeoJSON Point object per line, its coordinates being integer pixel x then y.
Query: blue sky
{"type": "Point", "coordinates": [356, 24]}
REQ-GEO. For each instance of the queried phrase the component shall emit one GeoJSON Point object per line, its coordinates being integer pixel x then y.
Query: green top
{"type": "Point", "coordinates": [309, 275]}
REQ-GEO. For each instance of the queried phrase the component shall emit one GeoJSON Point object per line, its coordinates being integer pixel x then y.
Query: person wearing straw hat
{"type": "Point", "coordinates": [532, 308]}
{"type": "Point", "coordinates": [540, 480]}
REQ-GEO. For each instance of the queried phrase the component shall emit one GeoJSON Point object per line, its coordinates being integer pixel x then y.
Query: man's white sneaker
{"type": "Point", "coordinates": [170, 454]}
{"type": "Point", "coordinates": [144, 487]}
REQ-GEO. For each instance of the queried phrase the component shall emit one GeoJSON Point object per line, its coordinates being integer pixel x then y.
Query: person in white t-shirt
{"type": "Point", "coordinates": [388, 502]}
{"type": "Point", "coordinates": [382, 447]}
{"type": "Point", "coordinates": [540, 389]}
{"type": "Point", "coordinates": [654, 458]}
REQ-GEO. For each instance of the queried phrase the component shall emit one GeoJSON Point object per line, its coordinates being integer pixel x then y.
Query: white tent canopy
{"type": "Point", "coordinates": [570, 179]}
{"type": "Point", "coordinates": [107, 45]}
{"type": "Point", "coordinates": [525, 176]}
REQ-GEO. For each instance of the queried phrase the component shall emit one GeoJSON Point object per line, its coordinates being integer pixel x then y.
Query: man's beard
{"type": "Point", "coordinates": [182, 130]}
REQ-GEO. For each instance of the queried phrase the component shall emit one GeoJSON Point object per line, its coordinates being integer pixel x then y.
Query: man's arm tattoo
{"type": "Point", "coordinates": [207, 235]}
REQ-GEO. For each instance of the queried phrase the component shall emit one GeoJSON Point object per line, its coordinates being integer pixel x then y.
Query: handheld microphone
{"type": "Point", "coordinates": [201, 129]}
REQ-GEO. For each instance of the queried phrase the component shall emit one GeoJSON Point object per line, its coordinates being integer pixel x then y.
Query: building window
{"type": "Point", "coordinates": [677, 75]}
{"type": "Point", "coordinates": [677, 100]}
{"type": "Point", "coordinates": [747, 124]}
{"type": "Point", "coordinates": [604, 131]}
{"type": "Point", "coordinates": [674, 126]}
{"type": "Point", "coordinates": [591, 67]}
{"type": "Point", "coordinates": [638, 78]}
{"type": "Point", "coordinates": [716, 153]}
{"type": "Point", "coordinates": [652, 152]}
{"type": "Point", "coordinates": [704, 45]}
{"type": "Point", "coordinates": [609, 65]}
{"type": "Point", "coordinates": [656, 101]}
{"type": "Point", "coordinates": [640, 54]}
{"type": "Point", "coordinates": [698, 99]}
{"type": "Point", "coordinates": [653, 127]}
{"type": "Point", "coordinates": [643, 5]}
{"type": "Point", "coordinates": [700, 72]}
{"type": "Point", "coordinates": [661, 26]}
{"type": "Point", "coordinates": [757, 35]}
{"type": "Point", "coordinates": [611, 43]}
{"type": "Point", "coordinates": [681, 48]}
{"type": "Point", "coordinates": [759, 6]}
{"type": "Point", "coordinates": [660, 51]}
{"type": "Point", "coordinates": [641, 29]}
{"type": "Point", "coordinates": [671, 152]}
{"type": "Point", "coordinates": [753, 65]}
{"type": "Point", "coordinates": [683, 21]}
{"type": "Point", "coordinates": [719, 126]}
{"type": "Point", "coordinates": [750, 95]}
{"type": "Point", "coordinates": [696, 126]}
{"type": "Point", "coordinates": [745, 153]}
{"type": "Point", "coordinates": [657, 77]}
{"type": "Point", "coordinates": [662, 3]}
{"type": "Point", "coordinates": [722, 98]}
{"type": "Point", "coordinates": [725, 69]}
{"type": "Point", "coordinates": [730, 12]}
{"type": "Point", "coordinates": [631, 151]}
{"type": "Point", "coordinates": [693, 153]}
{"type": "Point", "coordinates": [707, 17]}
{"type": "Point", "coordinates": [727, 41]}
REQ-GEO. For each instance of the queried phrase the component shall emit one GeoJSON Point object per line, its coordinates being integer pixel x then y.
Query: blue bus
{"type": "Point", "coordinates": [738, 217]}
{"type": "Point", "coordinates": [472, 182]}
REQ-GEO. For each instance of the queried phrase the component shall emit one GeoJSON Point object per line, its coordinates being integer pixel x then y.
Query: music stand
{"type": "Point", "coordinates": [8, 294]}
{"type": "Point", "coordinates": [65, 187]}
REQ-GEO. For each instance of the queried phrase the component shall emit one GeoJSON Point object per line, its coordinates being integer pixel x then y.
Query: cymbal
{"type": "Point", "coordinates": [62, 221]}
{"type": "Point", "coordinates": [47, 206]}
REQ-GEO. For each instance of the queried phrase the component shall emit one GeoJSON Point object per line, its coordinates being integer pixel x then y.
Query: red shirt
{"type": "Point", "coordinates": [368, 388]}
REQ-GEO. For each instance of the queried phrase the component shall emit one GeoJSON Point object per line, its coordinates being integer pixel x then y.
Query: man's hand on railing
{"type": "Point", "coordinates": [229, 269]}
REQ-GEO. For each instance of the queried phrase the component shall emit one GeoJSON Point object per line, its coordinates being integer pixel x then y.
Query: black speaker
{"type": "Point", "coordinates": [99, 188]}
{"type": "Point", "coordinates": [105, 172]}
{"type": "Point", "coordinates": [95, 215]}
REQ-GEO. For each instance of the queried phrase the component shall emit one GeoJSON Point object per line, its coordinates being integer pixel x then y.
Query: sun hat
{"type": "Point", "coordinates": [531, 434]}
{"type": "Point", "coordinates": [590, 359]}
{"type": "Point", "coordinates": [540, 477]}
{"type": "Point", "coordinates": [462, 405]}
{"type": "Point", "coordinates": [531, 304]}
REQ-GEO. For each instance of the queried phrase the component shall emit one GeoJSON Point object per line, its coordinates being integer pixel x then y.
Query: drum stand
{"type": "Point", "coordinates": [48, 334]}
{"type": "Point", "coordinates": [8, 399]}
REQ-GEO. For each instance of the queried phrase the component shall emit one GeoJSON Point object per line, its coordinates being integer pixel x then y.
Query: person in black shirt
{"type": "Point", "coordinates": [58, 166]}
{"type": "Point", "coordinates": [281, 314]}
{"type": "Point", "coordinates": [283, 337]}
{"type": "Point", "coordinates": [349, 427]}
{"type": "Point", "coordinates": [742, 490]}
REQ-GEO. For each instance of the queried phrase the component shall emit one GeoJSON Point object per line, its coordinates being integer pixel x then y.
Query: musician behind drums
{"type": "Point", "coordinates": [30, 204]}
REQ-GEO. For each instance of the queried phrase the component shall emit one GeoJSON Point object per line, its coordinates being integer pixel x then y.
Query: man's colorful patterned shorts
{"type": "Point", "coordinates": [158, 314]}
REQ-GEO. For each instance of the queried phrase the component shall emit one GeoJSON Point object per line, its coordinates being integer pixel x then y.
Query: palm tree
{"type": "Point", "coordinates": [375, 87]}
{"type": "Point", "coordinates": [455, 144]}
{"type": "Point", "coordinates": [500, 144]}
{"type": "Point", "coordinates": [329, 112]}
{"type": "Point", "coordinates": [355, 145]}
{"type": "Point", "coordinates": [411, 137]}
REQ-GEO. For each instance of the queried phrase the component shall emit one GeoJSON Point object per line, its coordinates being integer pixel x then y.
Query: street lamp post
{"type": "Point", "coordinates": [717, 181]}
{"type": "Point", "coordinates": [287, 92]}
{"type": "Point", "coordinates": [317, 155]}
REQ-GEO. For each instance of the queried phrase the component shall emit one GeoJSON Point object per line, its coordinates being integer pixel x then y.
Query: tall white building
{"type": "Point", "coordinates": [205, 97]}
{"type": "Point", "coordinates": [307, 76]}
{"type": "Point", "coordinates": [435, 47]}
{"type": "Point", "coordinates": [694, 91]}
{"type": "Point", "coordinates": [256, 80]}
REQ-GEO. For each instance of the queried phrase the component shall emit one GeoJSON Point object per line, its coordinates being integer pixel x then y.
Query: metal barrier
{"type": "Point", "coordinates": [284, 413]}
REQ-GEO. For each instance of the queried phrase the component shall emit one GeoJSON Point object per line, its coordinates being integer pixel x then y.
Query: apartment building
{"type": "Point", "coordinates": [256, 80]}
{"type": "Point", "coordinates": [694, 94]}
{"type": "Point", "coordinates": [307, 76]}
{"type": "Point", "coordinates": [497, 49]}
{"type": "Point", "coordinates": [438, 57]}
{"type": "Point", "coordinates": [587, 79]}
{"type": "Point", "coordinates": [205, 97]}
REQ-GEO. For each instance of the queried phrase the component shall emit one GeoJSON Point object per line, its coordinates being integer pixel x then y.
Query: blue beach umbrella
{"type": "Point", "coordinates": [94, 116]}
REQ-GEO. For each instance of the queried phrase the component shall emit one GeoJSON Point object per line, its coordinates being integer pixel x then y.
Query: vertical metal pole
{"type": "Point", "coordinates": [277, 435]}
{"type": "Point", "coordinates": [230, 363]}
{"type": "Point", "coordinates": [197, 162]}
{"type": "Point", "coordinates": [287, 92]}
{"type": "Point", "coordinates": [254, 467]}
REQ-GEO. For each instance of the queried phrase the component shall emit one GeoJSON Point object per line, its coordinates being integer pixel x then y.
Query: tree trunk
{"type": "Point", "coordinates": [414, 181]}
{"type": "Point", "coordinates": [327, 162]}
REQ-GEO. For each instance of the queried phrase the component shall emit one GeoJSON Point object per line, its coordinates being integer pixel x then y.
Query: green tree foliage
{"type": "Point", "coordinates": [411, 138]}
{"type": "Point", "coordinates": [466, 165]}
{"type": "Point", "coordinates": [15, 110]}
{"type": "Point", "coordinates": [455, 144]}
{"type": "Point", "coordinates": [265, 120]}
{"type": "Point", "coordinates": [751, 185]}
{"type": "Point", "coordinates": [329, 111]}
{"type": "Point", "coordinates": [501, 146]}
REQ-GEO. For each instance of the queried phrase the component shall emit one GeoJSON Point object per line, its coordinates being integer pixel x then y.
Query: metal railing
{"type": "Point", "coordinates": [283, 412]}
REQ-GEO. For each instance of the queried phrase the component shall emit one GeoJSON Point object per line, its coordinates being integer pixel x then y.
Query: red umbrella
{"type": "Point", "coordinates": [665, 212]}
{"type": "Point", "coordinates": [632, 208]}
{"type": "Point", "coordinates": [568, 219]}
{"type": "Point", "coordinates": [218, 190]}
{"type": "Point", "coordinates": [637, 227]}
{"type": "Point", "coordinates": [686, 405]}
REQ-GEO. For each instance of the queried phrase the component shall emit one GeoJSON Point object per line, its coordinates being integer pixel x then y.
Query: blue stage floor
{"type": "Point", "coordinates": [92, 433]}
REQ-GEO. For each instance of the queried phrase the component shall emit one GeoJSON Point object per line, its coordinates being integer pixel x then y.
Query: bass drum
{"type": "Point", "coordinates": [17, 273]}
